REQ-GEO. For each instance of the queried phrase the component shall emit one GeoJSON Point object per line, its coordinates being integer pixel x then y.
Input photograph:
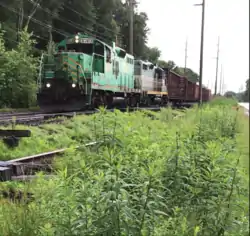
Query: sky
{"type": "Point", "coordinates": [171, 22]}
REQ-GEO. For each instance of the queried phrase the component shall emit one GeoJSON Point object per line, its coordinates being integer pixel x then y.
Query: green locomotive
{"type": "Point", "coordinates": [86, 72]}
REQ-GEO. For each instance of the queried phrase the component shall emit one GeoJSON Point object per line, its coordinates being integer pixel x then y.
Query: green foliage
{"type": "Point", "coordinates": [169, 64]}
{"type": "Point", "coordinates": [18, 71]}
{"type": "Point", "coordinates": [230, 94]}
{"type": "Point", "coordinates": [246, 93]}
{"type": "Point", "coordinates": [190, 74]}
{"type": "Point", "coordinates": [152, 54]}
{"type": "Point", "coordinates": [242, 96]}
{"type": "Point", "coordinates": [167, 173]}
{"type": "Point", "coordinates": [223, 101]}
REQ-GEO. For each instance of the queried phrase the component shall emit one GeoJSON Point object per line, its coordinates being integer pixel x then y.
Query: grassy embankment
{"type": "Point", "coordinates": [155, 174]}
{"type": "Point", "coordinates": [19, 109]}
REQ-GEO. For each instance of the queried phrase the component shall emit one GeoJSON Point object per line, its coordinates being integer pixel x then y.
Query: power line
{"type": "Point", "coordinates": [64, 34]}
{"type": "Point", "coordinates": [47, 25]}
{"type": "Point", "coordinates": [37, 36]}
{"type": "Point", "coordinates": [92, 21]}
{"type": "Point", "coordinates": [36, 21]}
{"type": "Point", "coordinates": [71, 23]}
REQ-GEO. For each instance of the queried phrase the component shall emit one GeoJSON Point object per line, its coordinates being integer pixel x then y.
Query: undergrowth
{"type": "Point", "coordinates": [222, 101]}
{"type": "Point", "coordinates": [164, 174]}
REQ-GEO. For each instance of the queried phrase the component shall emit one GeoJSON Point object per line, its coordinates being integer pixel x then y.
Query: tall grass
{"type": "Point", "coordinates": [222, 101]}
{"type": "Point", "coordinates": [167, 173]}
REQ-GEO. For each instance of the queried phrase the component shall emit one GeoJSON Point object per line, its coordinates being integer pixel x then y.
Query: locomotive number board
{"type": "Point", "coordinates": [84, 41]}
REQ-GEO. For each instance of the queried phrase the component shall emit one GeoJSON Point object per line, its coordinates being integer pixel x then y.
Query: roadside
{"type": "Point", "coordinates": [245, 105]}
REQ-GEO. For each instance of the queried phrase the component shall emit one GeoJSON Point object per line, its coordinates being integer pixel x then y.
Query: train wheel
{"type": "Point", "coordinates": [97, 101]}
{"type": "Point", "coordinates": [108, 101]}
{"type": "Point", "coordinates": [133, 101]}
{"type": "Point", "coordinates": [164, 101]}
{"type": "Point", "coordinates": [150, 101]}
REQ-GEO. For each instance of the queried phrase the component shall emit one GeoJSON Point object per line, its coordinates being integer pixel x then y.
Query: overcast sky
{"type": "Point", "coordinates": [171, 21]}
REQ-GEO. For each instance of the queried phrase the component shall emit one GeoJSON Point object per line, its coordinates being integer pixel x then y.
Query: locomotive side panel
{"type": "Point", "coordinates": [118, 75]}
{"type": "Point", "coordinates": [150, 78]}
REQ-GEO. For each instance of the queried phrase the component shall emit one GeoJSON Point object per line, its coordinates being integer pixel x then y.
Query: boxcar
{"type": "Point", "coordinates": [176, 87]}
{"type": "Point", "coordinates": [192, 92]}
{"type": "Point", "coordinates": [206, 94]}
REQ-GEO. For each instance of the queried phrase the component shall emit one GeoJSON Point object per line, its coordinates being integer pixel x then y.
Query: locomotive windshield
{"type": "Point", "coordinates": [79, 47]}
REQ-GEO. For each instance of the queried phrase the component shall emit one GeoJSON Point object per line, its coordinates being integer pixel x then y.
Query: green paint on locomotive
{"type": "Point", "coordinates": [90, 64]}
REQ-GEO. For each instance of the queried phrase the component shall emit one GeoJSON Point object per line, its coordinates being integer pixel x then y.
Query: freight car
{"type": "Point", "coordinates": [181, 90]}
{"type": "Point", "coordinates": [86, 72]}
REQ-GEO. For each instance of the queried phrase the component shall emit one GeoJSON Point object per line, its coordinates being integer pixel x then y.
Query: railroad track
{"type": "Point", "coordinates": [25, 168]}
{"type": "Point", "coordinates": [36, 118]}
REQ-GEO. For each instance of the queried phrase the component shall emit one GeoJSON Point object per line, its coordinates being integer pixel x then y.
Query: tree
{"type": "Point", "coordinates": [152, 54]}
{"type": "Point", "coordinates": [51, 21]}
{"type": "Point", "coordinates": [246, 93]}
{"type": "Point", "coordinates": [230, 94]}
{"type": "Point", "coordinates": [18, 72]}
{"type": "Point", "coordinates": [189, 73]}
{"type": "Point", "coordinates": [169, 64]}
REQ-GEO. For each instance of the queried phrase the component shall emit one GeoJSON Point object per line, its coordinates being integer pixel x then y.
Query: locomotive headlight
{"type": "Point", "coordinates": [48, 85]}
{"type": "Point", "coordinates": [77, 38]}
{"type": "Point", "coordinates": [73, 85]}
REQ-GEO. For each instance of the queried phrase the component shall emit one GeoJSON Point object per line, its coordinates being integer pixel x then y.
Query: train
{"type": "Point", "coordinates": [85, 72]}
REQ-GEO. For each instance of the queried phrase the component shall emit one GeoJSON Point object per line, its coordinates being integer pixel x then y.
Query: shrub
{"type": "Point", "coordinates": [18, 70]}
{"type": "Point", "coordinates": [154, 174]}
{"type": "Point", "coordinates": [223, 101]}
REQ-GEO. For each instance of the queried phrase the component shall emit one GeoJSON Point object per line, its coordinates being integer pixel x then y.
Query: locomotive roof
{"type": "Point", "coordinates": [148, 63]}
{"type": "Point", "coordinates": [116, 48]}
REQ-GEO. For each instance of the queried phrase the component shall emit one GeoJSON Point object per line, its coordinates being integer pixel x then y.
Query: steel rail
{"type": "Point", "coordinates": [15, 167]}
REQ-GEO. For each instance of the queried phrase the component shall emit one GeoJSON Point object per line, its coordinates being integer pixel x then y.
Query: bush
{"type": "Point", "coordinates": [154, 174]}
{"type": "Point", "coordinates": [18, 70]}
{"type": "Point", "coordinates": [223, 101]}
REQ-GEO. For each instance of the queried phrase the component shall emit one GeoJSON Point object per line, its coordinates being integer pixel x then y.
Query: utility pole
{"type": "Point", "coordinates": [186, 48]}
{"type": "Point", "coordinates": [221, 74]}
{"type": "Point", "coordinates": [131, 27]}
{"type": "Point", "coordinates": [217, 64]}
{"type": "Point", "coordinates": [223, 84]}
{"type": "Point", "coordinates": [201, 48]}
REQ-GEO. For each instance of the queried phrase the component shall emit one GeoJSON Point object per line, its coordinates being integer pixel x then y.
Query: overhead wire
{"type": "Point", "coordinates": [35, 35]}
{"type": "Point", "coordinates": [36, 21]}
{"type": "Point", "coordinates": [73, 24]}
{"type": "Point", "coordinates": [93, 21]}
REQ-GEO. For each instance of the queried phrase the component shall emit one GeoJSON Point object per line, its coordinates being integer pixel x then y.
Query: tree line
{"type": "Point", "coordinates": [51, 21]}
{"type": "Point", "coordinates": [241, 96]}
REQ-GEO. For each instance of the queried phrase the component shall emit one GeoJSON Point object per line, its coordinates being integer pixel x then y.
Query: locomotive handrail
{"type": "Point", "coordinates": [39, 79]}
{"type": "Point", "coordinates": [98, 54]}
{"type": "Point", "coordinates": [86, 86]}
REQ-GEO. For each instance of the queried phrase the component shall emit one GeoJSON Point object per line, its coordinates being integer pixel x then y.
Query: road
{"type": "Point", "coordinates": [246, 106]}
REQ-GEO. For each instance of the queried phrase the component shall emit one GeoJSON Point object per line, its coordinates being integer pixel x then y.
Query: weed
{"type": "Point", "coordinates": [153, 174]}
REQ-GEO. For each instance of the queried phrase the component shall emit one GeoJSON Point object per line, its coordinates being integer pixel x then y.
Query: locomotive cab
{"type": "Point", "coordinates": [65, 77]}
